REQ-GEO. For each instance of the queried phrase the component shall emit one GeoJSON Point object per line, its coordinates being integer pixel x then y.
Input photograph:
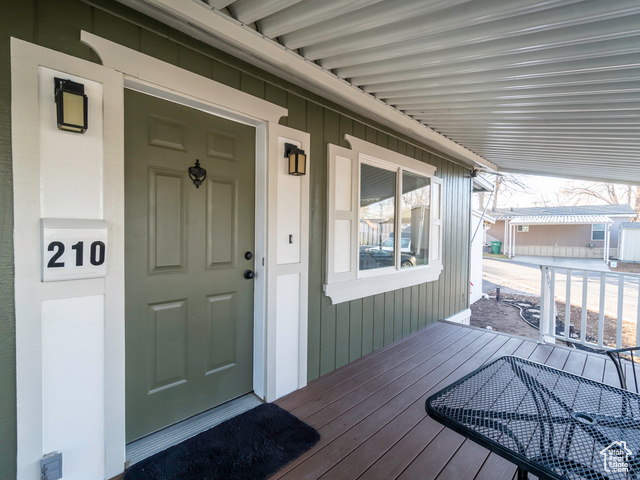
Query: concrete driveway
{"type": "Point", "coordinates": [524, 276]}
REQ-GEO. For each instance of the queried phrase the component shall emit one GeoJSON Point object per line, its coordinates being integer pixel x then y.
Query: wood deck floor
{"type": "Point", "coordinates": [371, 413]}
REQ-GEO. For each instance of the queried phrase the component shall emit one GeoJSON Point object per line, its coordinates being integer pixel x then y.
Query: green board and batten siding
{"type": "Point", "coordinates": [337, 334]}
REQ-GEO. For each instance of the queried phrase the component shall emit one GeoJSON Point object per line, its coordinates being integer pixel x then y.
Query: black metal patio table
{"type": "Point", "coordinates": [548, 422]}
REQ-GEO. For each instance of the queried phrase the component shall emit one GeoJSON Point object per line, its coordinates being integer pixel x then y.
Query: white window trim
{"type": "Point", "coordinates": [604, 232]}
{"type": "Point", "coordinates": [343, 281]}
{"type": "Point", "coordinates": [522, 228]}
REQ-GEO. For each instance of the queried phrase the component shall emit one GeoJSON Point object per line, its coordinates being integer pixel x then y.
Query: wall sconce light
{"type": "Point", "coordinates": [71, 106]}
{"type": "Point", "coordinates": [297, 159]}
{"type": "Point", "coordinates": [197, 174]}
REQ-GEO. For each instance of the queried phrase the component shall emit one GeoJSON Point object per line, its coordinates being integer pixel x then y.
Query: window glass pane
{"type": "Point", "coordinates": [416, 199]}
{"type": "Point", "coordinates": [377, 217]}
{"type": "Point", "coordinates": [598, 231]}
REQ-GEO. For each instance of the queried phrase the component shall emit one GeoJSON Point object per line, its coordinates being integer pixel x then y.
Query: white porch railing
{"type": "Point", "coordinates": [602, 308]}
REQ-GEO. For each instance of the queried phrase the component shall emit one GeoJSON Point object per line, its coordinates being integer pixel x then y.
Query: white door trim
{"type": "Point", "coordinates": [33, 436]}
{"type": "Point", "coordinates": [123, 67]}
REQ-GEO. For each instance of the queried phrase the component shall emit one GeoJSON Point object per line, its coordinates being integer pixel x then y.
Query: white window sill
{"type": "Point", "coordinates": [340, 292]}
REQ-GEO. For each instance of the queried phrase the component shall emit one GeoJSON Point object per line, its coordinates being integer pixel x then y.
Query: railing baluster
{"type": "Point", "coordinates": [638, 316]}
{"type": "Point", "coordinates": [549, 312]}
{"type": "Point", "coordinates": [603, 284]}
{"type": "Point", "coordinates": [543, 306]}
{"type": "Point", "coordinates": [552, 303]}
{"type": "Point", "coordinates": [567, 306]}
{"type": "Point", "coordinates": [583, 320]}
{"type": "Point", "coordinates": [620, 305]}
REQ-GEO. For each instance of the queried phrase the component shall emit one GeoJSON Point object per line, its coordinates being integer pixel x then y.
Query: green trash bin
{"type": "Point", "coordinates": [495, 247]}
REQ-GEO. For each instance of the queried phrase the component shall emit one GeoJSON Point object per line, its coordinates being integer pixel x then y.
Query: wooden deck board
{"type": "Point", "coordinates": [392, 368]}
{"type": "Point", "coordinates": [371, 416]}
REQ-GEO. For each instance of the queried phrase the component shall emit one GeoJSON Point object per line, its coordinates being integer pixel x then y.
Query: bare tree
{"type": "Point", "coordinates": [611, 193]}
{"type": "Point", "coordinates": [504, 185]}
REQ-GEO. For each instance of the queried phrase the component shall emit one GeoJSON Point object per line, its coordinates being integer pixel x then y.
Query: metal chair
{"type": "Point", "coordinates": [617, 356]}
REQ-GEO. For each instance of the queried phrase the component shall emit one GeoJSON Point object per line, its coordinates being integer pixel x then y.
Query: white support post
{"type": "Point", "coordinates": [512, 248]}
{"type": "Point", "coordinates": [607, 242]}
{"type": "Point", "coordinates": [543, 300]}
{"type": "Point", "coordinates": [547, 305]}
{"type": "Point", "coordinates": [567, 306]}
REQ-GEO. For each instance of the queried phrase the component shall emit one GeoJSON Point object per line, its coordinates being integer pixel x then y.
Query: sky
{"type": "Point", "coordinates": [547, 191]}
{"type": "Point", "coordinates": [540, 189]}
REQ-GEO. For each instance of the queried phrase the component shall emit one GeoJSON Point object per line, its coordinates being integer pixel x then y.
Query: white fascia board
{"type": "Point", "coordinates": [482, 184]}
{"type": "Point", "coordinates": [485, 217]}
{"type": "Point", "coordinates": [195, 14]}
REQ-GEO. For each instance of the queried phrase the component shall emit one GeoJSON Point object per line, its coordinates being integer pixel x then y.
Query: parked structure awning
{"type": "Point", "coordinates": [561, 220]}
{"type": "Point", "coordinates": [548, 87]}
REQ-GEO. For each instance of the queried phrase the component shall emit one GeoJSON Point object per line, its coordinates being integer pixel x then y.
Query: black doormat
{"type": "Point", "coordinates": [251, 446]}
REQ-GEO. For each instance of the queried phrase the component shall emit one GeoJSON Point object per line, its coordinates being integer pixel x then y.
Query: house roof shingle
{"type": "Point", "coordinates": [628, 225]}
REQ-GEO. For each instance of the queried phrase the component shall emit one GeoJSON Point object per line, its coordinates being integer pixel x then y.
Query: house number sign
{"type": "Point", "coordinates": [73, 249]}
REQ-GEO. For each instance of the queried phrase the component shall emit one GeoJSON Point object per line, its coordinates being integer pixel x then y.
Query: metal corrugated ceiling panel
{"type": "Point", "coordinates": [546, 87]}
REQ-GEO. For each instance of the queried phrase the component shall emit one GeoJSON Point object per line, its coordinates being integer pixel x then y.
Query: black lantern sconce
{"type": "Point", "coordinates": [197, 174]}
{"type": "Point", "coordinates": [297, 159]}
{"type": "Point", "coordinates": [71, 106]}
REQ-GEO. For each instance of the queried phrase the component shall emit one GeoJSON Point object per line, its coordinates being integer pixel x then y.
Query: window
{"type": "Point", "coordinates": [379, 203]}
{"type": "Point", "coordinates": [376, 197]}
{"type": "Point", "coordinates": [523, 228]}
{"type": "Point", "coordinates": [597, 231]}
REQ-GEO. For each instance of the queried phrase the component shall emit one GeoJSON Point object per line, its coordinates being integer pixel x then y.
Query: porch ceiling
{"type": "Point", "coordinates": [547, 87]}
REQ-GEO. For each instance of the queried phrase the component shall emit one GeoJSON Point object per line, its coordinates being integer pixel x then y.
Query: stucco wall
{"type": "Point", "coordinates": [557, 235]}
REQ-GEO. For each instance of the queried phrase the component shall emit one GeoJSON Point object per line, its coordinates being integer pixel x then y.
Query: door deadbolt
{"type": "Point", "coordinates": [248, 255]}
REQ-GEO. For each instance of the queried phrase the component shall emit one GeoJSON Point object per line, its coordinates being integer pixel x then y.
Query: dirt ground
{"type": "Point", "coordinates": [501, 317]}
{"type": "Point", "coordinates": [505, 316]}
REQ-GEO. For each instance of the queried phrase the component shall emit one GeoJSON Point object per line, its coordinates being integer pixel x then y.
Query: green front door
{"type": "Point", "coordinates": [189, 308]}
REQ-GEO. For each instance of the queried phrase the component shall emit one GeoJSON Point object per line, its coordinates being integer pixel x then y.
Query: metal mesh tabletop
{"type": "Point", "coordinates": [549, 422]}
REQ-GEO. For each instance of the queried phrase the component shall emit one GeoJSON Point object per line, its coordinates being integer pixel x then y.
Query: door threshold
{"type": "Point", "coordinates": [181, 431]}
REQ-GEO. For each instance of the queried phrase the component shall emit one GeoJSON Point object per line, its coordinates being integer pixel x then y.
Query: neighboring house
{"type": "Point", "coordinates": [585, 231]}
{"type": "Point", "coordinates": [146, 292]}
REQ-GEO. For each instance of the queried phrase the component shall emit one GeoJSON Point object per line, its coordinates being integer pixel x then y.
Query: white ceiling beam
{"type": "Point", "coordinates": [488, 81]}
{"type": "Point", "coordinates": [249, 11]}
{"type": "Point", "coordinates": [555, 123]}
{"type": "Point", "coordinates": [580, 36]}
{"type": "Point", "coordinates": [553, 136]}
{"type": "Point", "coordinates": [473, 15]}
{"type": "Point", "coordinates": [308, 13]}
{"type": "Point", "coordinates": [543, 161]}
{"type": "Point", "coordinates": [435, 103]}
{"type": "Point", "coordinates": [219, 4]}
{"type": "Point", "coordinates": [576, 111]}
{"type": "Point", "coordinates": [529, 93]}
{"type": "Point", "coordinates": [587, 138]}
{"type": "Point", "coordinates": [374, 17]}
{"type": "Point", "coordinates": [219, 30]}
{"type": "Point", "coordinates": [627, 45]}
{"type": "Point", "coordinates": [337, 54]}
{"type": "Point", "coordinates": [498, 73]}
{"type": "Point", "coordinates": [629, 157]}
{"type": "Point", "coordinates": [561, 145]}
{"type": "Point", "coordinates": [589, 130]}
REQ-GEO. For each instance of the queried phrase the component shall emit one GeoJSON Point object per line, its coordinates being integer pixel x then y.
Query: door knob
{"type": "Point", "coordinates": [248, 274]}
